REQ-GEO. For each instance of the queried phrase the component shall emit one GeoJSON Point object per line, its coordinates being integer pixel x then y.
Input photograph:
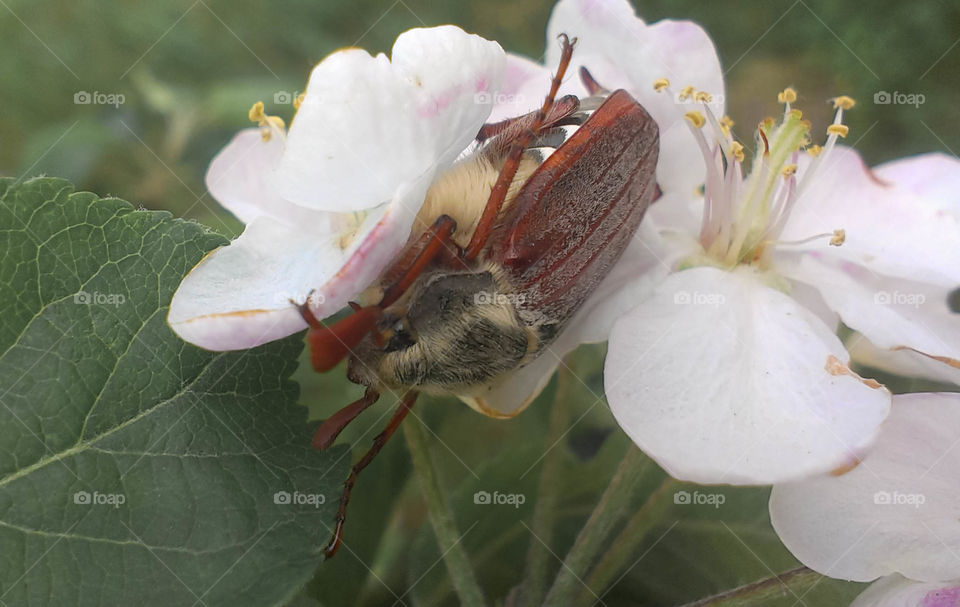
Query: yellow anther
{"type": "Point", "coordinates": [789, 171]}
{"type": "Point", "coordinates": [839, 237]}
{"type": "Point", "coordinates": [256, 113]}
{"type": "Point", "coordinates": [838, 129]}
{"type": "Point", "coordinates": [686, 93]}
{"type": "Point", "coordinates": [660, 83]}
{"type": "Point", "coordinates": [814, 150]}
{"type": "Point", "coordinates": [695, 118]}
{"type": "Point", "coordinates": [703, 97]}
{"type": "Point", "coordinates": [298, 101]}
{"type": "Point", "coordinates": [843, 102]}
{"type": "Point", "coordinates": [736, 148]}
{"type": "Point", "coordinates": [787, 95]}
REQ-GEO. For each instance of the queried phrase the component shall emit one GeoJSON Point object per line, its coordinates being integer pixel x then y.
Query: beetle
{"type": "Point", "coordinates": [515, 245]}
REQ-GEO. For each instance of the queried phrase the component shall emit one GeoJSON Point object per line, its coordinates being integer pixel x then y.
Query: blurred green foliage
{"type": "Point", "coordinates": [189, 70]}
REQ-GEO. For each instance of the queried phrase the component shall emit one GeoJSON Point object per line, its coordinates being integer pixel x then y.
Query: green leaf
{"type": "Point", "coordinates": [136, 469]}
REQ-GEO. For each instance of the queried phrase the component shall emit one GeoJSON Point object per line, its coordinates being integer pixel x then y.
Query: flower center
{"type": "Point", "coordinates": [743, 217]}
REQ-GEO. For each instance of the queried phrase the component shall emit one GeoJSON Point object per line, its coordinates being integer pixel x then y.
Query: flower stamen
{"type": "Point", "coordinates": [270, 125]}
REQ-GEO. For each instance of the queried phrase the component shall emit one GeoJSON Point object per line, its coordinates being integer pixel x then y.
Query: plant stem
{"type": "Point", "coordinates": [614, 502]}
{"type": "Point", "coordinates": [441, 517]}
{"type": "Point", "coordinates": [760, 592]}
{"type": "Point", "coordinates": [539, 558]}
{"type": "Point", "coordinates": [624, 546]}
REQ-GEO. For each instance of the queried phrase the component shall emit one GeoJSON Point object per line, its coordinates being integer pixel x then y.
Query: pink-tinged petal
{"type": "Point", "coordinates": [898, 591]}
{"type": "Point", "coordinates": [888, 230]}
{"type": "Point", "coordinates": [934, 177]}
{"type": "Point", "coordinates": [368, 125]}
{"type": "Point", "coordinates": [896, 512]}
{"type": "Point", "coordinates": [722, 379]}
{"type": "Point", "coordinates": [239, 179]}
{"type": "Point", "coordinates": [621, 51]}
{"type": "Point", "coordinates": [239, 295]}
{"type": "Point", "coordinates": [895, 314]}
{"type": "Point", "coordinates": [907, 363]}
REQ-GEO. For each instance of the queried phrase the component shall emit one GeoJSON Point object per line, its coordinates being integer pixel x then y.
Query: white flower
{"type": "Point", "coordinates": [897, 591]}
{"type": "Point", "coordinates": [896, 512]}
{"type": "Point", "coordinates": [330, 203]}
{"type": "Point", "coordinates": [730, 371]}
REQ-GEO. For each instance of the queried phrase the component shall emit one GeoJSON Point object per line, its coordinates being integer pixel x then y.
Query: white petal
{"type": "Point", "coordinates": [239, 295]}
{"type": "Point", "coordinates": [892, 313]}
{"type": "Point", "coordinates": [368, 125]}
{"type": "Point", "coordinates": [900, 362]}
{"type": "Point", "coordinates": [889, 230]}
{"type": "Point", "coordinates": [722, 379]}
{"type": "Point", "coordinates": [898, 591]}
{"type": "Point", "coordinates": [239, 179]}
{"type": "Point", "coordinates": [934, 177]}
{"type": "Point", "coordinates": [896, 512]}
{"type": "Point", "coordinates": [621, 51]}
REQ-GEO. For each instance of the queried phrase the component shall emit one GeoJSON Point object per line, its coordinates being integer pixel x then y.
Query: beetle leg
{"type": "Point", "coordinates": [435, 242]}
{"type": "Point", "coordinates": [562, 108]}
{"type": "Point", "coordinates": [499, 191]}
{"type": "Point", "coordinates": [334, 425]}
{"type": "Point", "coordinates": [378, 442]}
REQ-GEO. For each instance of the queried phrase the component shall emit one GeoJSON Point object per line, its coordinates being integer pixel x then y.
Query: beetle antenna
{"type": "Point", "coordinates": [378, 442]}
{"type": "Point", "coordinates": [590, 83]}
